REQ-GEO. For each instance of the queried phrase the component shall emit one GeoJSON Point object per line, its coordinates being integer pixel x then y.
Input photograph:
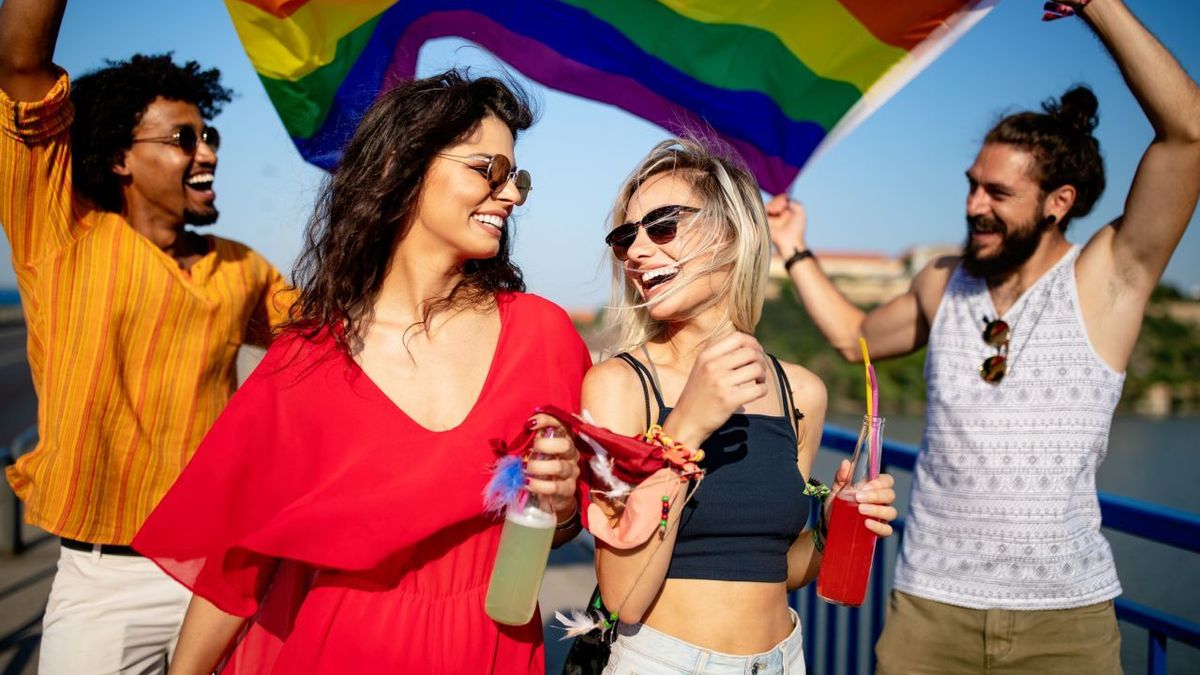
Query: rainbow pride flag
{"type": "Point", "coordinates": [776, 79]}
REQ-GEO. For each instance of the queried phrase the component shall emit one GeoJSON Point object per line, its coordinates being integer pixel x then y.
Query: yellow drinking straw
{"type": "Point", "coordinates": [862, 342]}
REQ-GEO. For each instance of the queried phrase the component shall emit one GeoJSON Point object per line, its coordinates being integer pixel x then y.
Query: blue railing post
{"type": "Point", "coordinates": [1157, 654]}
{"type": "Point", "coordinates": [831, 634]}
{"type": "Point", "coordinates": [810, 627]}
{"type": "Point", "coordinates": [853, 616]}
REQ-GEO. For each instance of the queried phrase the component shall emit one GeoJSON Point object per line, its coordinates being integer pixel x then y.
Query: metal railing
{"type": "Point", "coordinates": [842, 628]}
{"type": "Point", "coordinates": [1153, 522]}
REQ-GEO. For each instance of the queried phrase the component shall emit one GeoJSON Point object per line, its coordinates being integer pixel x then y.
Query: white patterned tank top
{"type": "Point", "coordinates": [1004, 512]}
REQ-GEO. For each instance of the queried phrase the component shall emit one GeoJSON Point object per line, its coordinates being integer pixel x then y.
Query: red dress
{"type": "Point", "coordinates": [354, 536]}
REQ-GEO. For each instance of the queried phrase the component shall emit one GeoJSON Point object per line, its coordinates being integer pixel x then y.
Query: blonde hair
{"type": "Point", "coordinates": [731, 225]}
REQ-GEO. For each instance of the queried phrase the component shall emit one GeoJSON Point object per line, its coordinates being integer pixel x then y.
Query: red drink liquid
{"type": "Point", "coordinates": [849, 550]}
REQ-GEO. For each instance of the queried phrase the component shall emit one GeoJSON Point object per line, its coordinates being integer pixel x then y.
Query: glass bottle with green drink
{"type": "Point", "coordinates": [520, 563]}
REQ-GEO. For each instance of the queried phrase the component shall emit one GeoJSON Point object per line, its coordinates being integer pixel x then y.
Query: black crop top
{"type": "Point", "coordinates": [750, 506]}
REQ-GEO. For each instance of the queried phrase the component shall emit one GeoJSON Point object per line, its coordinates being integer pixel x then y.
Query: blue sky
{"type": "Point", "coordinates": [897, 180]}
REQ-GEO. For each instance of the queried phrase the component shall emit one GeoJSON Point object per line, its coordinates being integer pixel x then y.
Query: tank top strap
{"type": "Point", "coordinates": [786, 399]}
{"type": "Point", "coordinates": [647, 384]}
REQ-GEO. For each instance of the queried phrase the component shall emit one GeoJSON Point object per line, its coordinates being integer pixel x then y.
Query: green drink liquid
{"type": "Point", "coordinates": [520, 563]}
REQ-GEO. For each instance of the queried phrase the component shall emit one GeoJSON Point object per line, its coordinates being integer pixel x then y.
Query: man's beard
{"type": "Point", "coordinates": [200, 218]}
{"type": "Point", "coordinates": [1016, 247]}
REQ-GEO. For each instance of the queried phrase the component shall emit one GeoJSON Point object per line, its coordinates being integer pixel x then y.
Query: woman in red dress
{"type": "Point", "coordinates": [332, 520]}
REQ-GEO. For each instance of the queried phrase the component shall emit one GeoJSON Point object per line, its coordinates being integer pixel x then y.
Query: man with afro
{"type": "Point", "coordinates": [134, 320]}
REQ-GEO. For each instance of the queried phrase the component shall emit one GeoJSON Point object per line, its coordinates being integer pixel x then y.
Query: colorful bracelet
{"type": "Point", "coordinates": [819, 539]}
{"type": "Point", "coordinates": [673, 451]}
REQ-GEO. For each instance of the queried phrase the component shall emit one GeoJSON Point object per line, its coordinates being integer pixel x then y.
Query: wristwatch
{"type": "Point", "coordinates": [797, 257]}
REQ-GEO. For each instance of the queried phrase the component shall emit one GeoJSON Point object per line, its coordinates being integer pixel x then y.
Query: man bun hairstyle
{"type": "Point", "coordinates": [1061, 141]}
{"type": "Point", "coordinates": [109, 104]}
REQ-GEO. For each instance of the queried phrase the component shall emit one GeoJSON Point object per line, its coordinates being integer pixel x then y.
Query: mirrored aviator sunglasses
{"type": "Point", "coordinates": [995, 334]}
{"type": "Point", "coordinates": [662, 224]}
{"type": "Point", "coordinates": [497, 172]}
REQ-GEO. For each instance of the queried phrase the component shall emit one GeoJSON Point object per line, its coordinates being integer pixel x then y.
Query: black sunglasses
{"type": "Point", "coordinates": [186, 138]}
{"type": "Point", "coordinates": [995, 334]}
{"type": "Point", "coordinates": [498, 171]}
{"type": "Point", "coordinates": [661, 226]}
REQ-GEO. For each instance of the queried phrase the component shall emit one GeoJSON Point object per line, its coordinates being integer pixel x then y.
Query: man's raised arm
{"type": "Point", "coordinates": [28, 32]}
{"type": "Point", "coordinates": [1163, 196]}
{"type": "Point", "coordinates": [898, 327]}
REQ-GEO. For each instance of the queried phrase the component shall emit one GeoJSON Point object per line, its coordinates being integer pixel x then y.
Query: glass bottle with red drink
{"type": "Point", "coordinates": [850, 546]}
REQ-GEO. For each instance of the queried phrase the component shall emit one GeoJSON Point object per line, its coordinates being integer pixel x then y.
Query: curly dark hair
{"type": "Point", "coordinates": [1062, 143]}
{"type": "Point", "coordinates": [110, 102]}
{"type": "Point", "coordinates": [366, 205]}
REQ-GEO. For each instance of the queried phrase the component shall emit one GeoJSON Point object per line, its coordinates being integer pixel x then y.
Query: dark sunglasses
{"type": "Point", "coordinates": [995, 334]}
{"type": "Point", "coordinates": [185, 137]}
{"type": "Point", "coordinates": [498, 171]}
{"type": "Point", "coordinates": [661, 226]}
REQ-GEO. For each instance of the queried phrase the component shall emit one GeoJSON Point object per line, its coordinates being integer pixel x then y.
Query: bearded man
{"type": "Point", "coordinates": [1003, 568]}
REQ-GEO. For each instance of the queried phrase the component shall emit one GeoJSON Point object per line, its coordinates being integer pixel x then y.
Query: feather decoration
{"type": "Point", "coordinates": [580, 622]}
{"type": "Point", "coordinates": [506, 489]}
{"type": "Point", "coordinates": [601, 465]}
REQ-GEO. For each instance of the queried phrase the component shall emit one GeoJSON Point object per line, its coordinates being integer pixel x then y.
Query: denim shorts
{"type": "Point", "coordinates": [641, 650]}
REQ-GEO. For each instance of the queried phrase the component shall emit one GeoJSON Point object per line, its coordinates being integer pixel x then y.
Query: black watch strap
{"type": "Point", "coordinates": [797, 257]}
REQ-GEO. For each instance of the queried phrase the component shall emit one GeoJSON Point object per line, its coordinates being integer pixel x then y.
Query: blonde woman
{"type": "Point", "coordinates": [708, 594]}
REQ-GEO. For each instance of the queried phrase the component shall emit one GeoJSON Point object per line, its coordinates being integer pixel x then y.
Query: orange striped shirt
{"type": "Point", "coordinates": [132, 358]}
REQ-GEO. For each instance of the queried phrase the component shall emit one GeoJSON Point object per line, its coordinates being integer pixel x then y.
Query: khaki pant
{"type": "Point", "coordinates": [923, 637]}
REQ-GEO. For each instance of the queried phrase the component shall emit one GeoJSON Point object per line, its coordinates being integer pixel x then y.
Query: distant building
{"type": "Point", "coordinates": [872, 278]}
{"type": "Point", "coordinates": [865, 278]}
{"type": "Point", "coordinates": [1183, 311]}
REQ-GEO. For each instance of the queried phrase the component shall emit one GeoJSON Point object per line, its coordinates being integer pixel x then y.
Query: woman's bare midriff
{"type": "Point", "coordinates": [732, 617]}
